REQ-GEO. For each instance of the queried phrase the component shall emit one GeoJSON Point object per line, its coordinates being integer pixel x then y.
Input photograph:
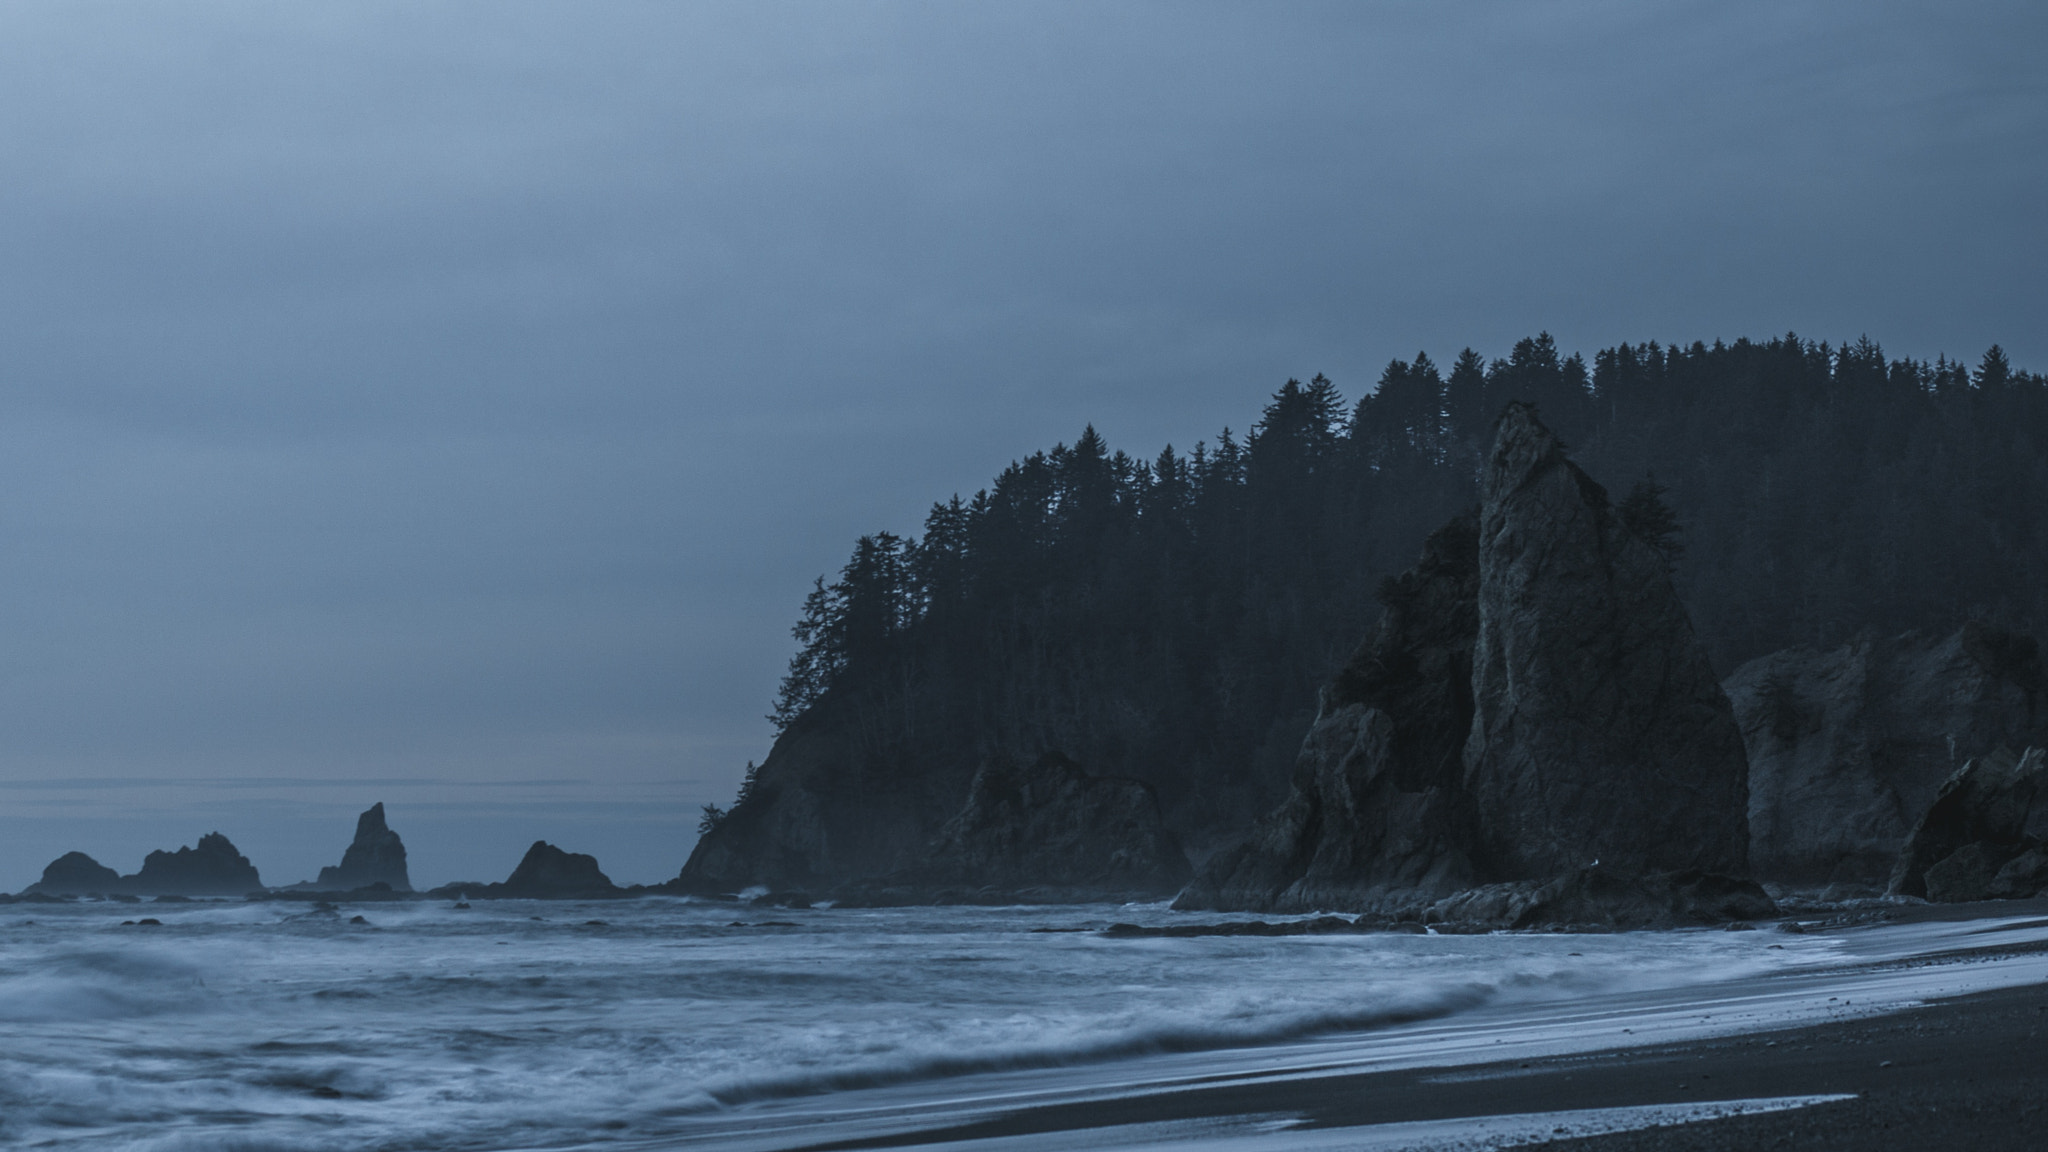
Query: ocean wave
{"type": "Point", "coordinates": [1148, 1039]}
{"type": "Point", "coordinates": [99, 985]}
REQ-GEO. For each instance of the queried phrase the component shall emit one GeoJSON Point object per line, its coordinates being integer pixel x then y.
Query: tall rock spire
{"type": "Point", "coordinates": [1600, 732]}
{"type": "Point", "coordinates": [375, 856]}
{"type": "Point", "coordinates": [1532, 705]}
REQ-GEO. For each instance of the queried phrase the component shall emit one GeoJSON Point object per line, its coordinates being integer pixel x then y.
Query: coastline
{"type": "Point", "coordinates": [1933, 1029]}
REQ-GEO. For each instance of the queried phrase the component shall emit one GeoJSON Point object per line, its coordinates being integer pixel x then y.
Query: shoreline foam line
{"type": "Point", "coordinates": [1880, 970]}
{"type": "Point", "coordinates": [1266, 1133]}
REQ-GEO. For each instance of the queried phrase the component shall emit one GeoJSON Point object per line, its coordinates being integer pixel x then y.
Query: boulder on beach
{"type": "Point", "coordinates": [1981, 822]}
{"type": "Point", "coordinates": [1849, 746]}
{"type": "Point", "coordinates": [1532, 735]}
{"type": "Point", "coordinates": [375, 856]}
{"type": "Point", "coordinates": [76, 874]}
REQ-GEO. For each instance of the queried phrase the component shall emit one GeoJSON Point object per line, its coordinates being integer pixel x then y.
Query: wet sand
{"type": "Point", "coordinates": [1967, 1073]}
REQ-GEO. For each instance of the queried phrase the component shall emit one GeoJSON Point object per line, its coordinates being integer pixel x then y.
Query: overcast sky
{"type": "Point", "coordinates": [449, 404]}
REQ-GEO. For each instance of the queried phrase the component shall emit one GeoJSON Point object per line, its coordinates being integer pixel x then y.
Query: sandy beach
{"type": "Point", "coordinates": [1934, 1032]}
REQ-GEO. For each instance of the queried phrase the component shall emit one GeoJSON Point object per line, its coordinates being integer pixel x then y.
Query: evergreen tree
{"type": "Point", "coordinates": [1171, 621]}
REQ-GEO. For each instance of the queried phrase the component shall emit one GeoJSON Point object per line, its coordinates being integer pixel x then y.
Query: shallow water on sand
{"type": "Point", "coordinates": [523, 1025]}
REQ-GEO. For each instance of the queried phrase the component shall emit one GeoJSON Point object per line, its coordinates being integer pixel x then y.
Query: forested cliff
{"type": "Point", "coordinates": [1170, 620]}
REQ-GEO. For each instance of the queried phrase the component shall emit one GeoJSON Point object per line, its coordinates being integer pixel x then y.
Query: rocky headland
{"type": "Point", "coordinates": [1533, 734]}
{"type": "Point", "coordinates": [1043, 832]}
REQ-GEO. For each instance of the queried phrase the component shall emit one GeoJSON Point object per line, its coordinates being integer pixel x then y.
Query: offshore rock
{"type": "Point", "coordinates": [76, 874]}
{"type": "Point", "coordinates": [549, 873]}
{"type": "Point", "coordinates": [1533, 735]}
{"type": "Point", "coordinates": [1848, 747]}
{"type": "Point", "coordinates": [211, 868]}
{"type": "Point", "coordinates": [1044, 833]}
{"type": "Point", "coordinates": [375, 856]}
{"type": "Point", "coordinates": [1976, 826]}
{"type": "Point", "coordinates": [1608, 898]}
{"type": "Point", "coordinates": [1600, 732]}
{"type": "Point", "coordinates": [1377, 813]}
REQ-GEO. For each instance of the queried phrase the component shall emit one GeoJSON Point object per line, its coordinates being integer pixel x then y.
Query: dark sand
{"type": "Point", "coordinates": [1958, 1075]}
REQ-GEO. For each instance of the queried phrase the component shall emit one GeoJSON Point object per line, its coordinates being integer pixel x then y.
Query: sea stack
{"type": "Point", "coordinates": [1532, 735]}
{"type": "Point", "coordinates": [1600, 732]}
{"type": "Point", "coordinates": [211, 868]}
{"type": "Point", "coordinates": [375, 856]}
{"type": "Point", "coordinates": [76, 874]}
{"type": "Point", "coordinates": [549, 873]}
{"type": "Point", "coordinates": [1378, 814]}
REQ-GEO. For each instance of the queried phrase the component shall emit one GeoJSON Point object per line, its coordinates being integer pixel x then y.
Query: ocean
{"type": "Point", "coordinates": [666, 1022]}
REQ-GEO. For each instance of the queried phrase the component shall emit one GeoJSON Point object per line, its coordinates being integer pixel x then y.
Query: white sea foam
{"type": "Point", "coordinates": [516, 1025]}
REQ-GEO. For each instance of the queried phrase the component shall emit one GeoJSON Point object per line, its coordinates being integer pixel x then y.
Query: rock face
{"type": "Point", "coordinates": [375, 856]}
{"type": "Point", "coordinates": [212, 868]}
{"type": "Point", "coordinates": [548, 873]}
{"type": "Point", "coordinates": [1981, 838]}
{"type": "Point", "coordinates": [1050, 825]}
{"type": "Point", "coordinates": [1532, 735]}
{"type": "Point", "coordinates": [823, 812]}
{"type": "Point", "coordinates": [1848, 747]}
{"type": "Point", "coordinates": [1378, 811]}
{"type": "Point", "coordinates": [1600, 732]}
{"type": "Point", "coordinates": [76, 874]}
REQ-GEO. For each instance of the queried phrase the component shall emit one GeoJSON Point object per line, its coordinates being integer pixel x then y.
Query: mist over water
{"type": "Point", "coordinates": [522, 1024]}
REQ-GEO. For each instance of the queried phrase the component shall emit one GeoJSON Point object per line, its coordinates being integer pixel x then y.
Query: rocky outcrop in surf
{"type": "Point", "coordinates": [1533, 735]}
{"type": "Point", "coordinates": [375, 856]}
{"type": "Point", "coordinates": [76, 874]}
{"type": "Point", "coordinates": [544, 873]}
{"type": "Point", "coordinates": [213, 867]}
{"type": "Point", "coordinates": [1849, 747]}
{"type": "Point", "coordinates": [1046, 831]}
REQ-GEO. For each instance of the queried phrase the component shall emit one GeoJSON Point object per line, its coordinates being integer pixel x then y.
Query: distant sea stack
{"type": "Point", "coordinates": [375, 856]}
{"type": "Point", "coordinates": [1532, 735]}
{"type": "Point", "coordinates": [211, 868]}
{"type": "Point", "coordinates": [76, 874]}
{"type": "Point", "coordinates": [544, 873]}
{"type": "Point", "coordinates": [1848, 747]}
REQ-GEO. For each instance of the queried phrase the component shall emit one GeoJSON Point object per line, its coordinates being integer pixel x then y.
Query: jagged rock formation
{"type": "Point", "coordinates": [1378, 809]}
{"type": "Point", "coordinates": [1981, 837]}
{"type": "Point", "coordinates": [375, 856]}
{"type": "Point", "coordinates": [1600, 731]}
{"type": "Point", "coordinates": [1533, 734]}
{"type": "Point", "coordinates": [76, 874]}
{"type": "Point", "coordinates": [211, 868]}
{"type": "Point", "coordinates": [544, 873]}
{"type": "Point", "coordinates": [1848, 747]}
{"type": "Point", "coordinates": [1039, 832]}
{"type": "Point", "coordinates": [549, 873]}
